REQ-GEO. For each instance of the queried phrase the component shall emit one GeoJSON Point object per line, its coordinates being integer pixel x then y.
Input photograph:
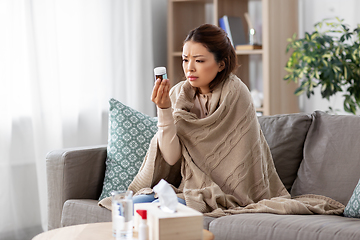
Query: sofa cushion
{"type": "Point", "coordinates": [352, 209]}
{"type": "Point", "coordinates": [331, 165]}
{"type": "Point", "coordinates": [259, 226]}
{"type": "Point", "coordinates": [285, 135]}
{"type": "Point", "coordinates": [83, 211]}
{"type": "Point", "coordinates": [206, 222]}
{"type": "Point", "coordinates": [130, 133]}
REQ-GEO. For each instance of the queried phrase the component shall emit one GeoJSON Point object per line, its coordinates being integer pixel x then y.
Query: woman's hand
{"type": "Point", "coordinates": [160, 95]}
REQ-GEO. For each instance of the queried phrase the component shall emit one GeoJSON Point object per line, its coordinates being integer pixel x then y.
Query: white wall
{"type": "Point", "coordinates": [311, 12]}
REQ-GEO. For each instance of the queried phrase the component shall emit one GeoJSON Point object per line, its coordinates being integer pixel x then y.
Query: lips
{"type": "Point", "coordinates": [192, 78]}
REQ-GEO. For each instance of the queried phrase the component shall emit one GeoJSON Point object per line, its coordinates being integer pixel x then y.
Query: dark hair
{"type": "Point", "coordinates": [216, 41]}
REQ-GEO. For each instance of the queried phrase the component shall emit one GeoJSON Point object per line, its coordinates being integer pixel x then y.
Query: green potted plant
{"type": "Point", "coordinates": [329, 59]}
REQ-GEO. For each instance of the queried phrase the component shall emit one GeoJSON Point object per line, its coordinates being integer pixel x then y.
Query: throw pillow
{"type": "Point", "coordinates": [130, 133]}
{"type": "Point", "coordinates": [331, 163]}
{"type": "Point", "coordinates": [285, 134]}
{"type": "Point", "coordinates": [352, 209]}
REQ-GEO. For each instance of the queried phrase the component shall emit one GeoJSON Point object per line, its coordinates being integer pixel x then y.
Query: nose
{"type": "Point", "coordinates": [191, 65]}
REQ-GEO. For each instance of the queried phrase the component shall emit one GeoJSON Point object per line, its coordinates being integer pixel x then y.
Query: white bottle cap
{"type": "Point", "coordinates": [159, 71]}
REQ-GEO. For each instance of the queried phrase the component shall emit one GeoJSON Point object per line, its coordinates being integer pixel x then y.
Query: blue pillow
{"type": "Point", "coordinates": [130, 133]}
{"type": "Point", "coordinates": [352, 209]}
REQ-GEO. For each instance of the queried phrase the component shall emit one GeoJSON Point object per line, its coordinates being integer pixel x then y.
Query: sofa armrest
{"type": "Point", "coordinates": [76, 173]}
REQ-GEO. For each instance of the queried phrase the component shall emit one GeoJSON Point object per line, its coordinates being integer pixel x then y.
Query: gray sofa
{"type": "Point", "coordinates": [313, 153]}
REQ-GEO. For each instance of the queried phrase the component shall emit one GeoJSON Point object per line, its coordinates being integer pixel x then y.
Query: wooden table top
{"type": "Point", "coordinates": [91, 231]}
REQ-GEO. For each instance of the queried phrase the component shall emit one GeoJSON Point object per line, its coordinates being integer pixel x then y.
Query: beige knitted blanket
{"type": "Point", "coordinates": [226, 166]}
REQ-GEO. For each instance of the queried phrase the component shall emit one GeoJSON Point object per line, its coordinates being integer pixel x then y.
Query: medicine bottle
{"type": "Point", "coordinates": [160, 72]}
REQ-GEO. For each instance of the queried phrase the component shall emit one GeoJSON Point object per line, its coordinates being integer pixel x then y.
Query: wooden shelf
{"type": "Point", "coordinates": [203, 1]}
{"type": "Point", "coordinates": [177, 54]}
{"type": "Point", "coordinates": [238, 52]}
{"type": "Point", "coordinates": [279, 22]}
{"type": "Point", "coordinates": [249, 52]}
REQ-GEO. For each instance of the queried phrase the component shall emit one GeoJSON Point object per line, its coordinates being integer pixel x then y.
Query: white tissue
{"type": "Point", "coordinates": [167, 196]}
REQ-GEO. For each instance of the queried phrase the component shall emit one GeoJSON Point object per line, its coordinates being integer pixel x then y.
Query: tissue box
{"type": "Point", "coordinates": [186, 223]}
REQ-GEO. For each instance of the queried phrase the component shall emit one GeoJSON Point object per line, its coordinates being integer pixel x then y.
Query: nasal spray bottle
{"type": "Point", "coordinates": [143, 227]}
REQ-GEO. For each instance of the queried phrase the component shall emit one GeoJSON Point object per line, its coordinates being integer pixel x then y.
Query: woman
{"type": "Point", "coordinates": [209, 145]}
{"type": "Point", "coordinates": [208, 132]}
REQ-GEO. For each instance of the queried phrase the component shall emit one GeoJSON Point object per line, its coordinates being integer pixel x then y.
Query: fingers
{"type": "Point", "coordinates": [160, 95]}
{"type": "Point", "coordinates": [166, 87]}
{"type": "Point", "coordinates": [155, 89]}
{"type": "Point", "coordinates": [163, 91]}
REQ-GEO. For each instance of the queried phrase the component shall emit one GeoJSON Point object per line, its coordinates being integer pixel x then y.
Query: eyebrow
{"type": "Point", "coordinates": [195, 56]}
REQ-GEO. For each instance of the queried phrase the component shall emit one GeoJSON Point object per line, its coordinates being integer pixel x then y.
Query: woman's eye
{"type": "Point", "coordinates": [199, 61]}
{"type": "Point", "coordinates": [185, 60]}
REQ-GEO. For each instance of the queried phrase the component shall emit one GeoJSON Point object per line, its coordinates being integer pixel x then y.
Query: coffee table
{"type": "Point", "coordinates": [91, 231]}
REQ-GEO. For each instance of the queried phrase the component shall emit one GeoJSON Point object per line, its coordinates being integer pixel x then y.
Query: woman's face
{"type": "Point", "coordinates": [199, 65]}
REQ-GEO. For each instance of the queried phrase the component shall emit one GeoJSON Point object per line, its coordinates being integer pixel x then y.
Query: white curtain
{"type": "Point", "coordinates": [60, 62]}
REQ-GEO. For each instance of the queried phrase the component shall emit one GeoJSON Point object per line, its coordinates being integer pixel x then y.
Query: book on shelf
{"type": "Point", "coordinates": [234, 28]}
{"type": "Point", "coordinates": [248, 47]}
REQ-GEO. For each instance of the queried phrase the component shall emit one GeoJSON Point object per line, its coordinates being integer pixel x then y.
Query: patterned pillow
{"type": "Point", "coordinates": [130, 133]}
{"type": "Point", "coordinates": [352, 209]}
